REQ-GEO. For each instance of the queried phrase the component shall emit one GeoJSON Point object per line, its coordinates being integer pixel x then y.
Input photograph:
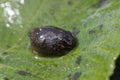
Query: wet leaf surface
{"type": "Point", "coordinates": [94, 57]}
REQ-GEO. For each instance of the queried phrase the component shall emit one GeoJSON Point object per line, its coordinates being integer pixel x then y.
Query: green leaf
{"type": "Point", "coordinates": [93, 59]}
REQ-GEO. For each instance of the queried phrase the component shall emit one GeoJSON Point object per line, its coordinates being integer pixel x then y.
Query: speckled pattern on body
{"type": "Point", "coordinates": [51, 40]}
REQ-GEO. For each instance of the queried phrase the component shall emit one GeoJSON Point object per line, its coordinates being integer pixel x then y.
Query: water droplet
{"type": "Point", "coordinates": [114, 58]}
{"type": "Point", "coordinates": [36, 57]}
{"type": "Point", "coordinates": [7, 25]}
{"type": "Point", "coordinates": [11, 13]}
{"type": "Point", "coordinates": [111, 66]}
{"type": "Point", "coordinates": [2, 5]}
{"type": "Point", "coordinates": [78, 67]}
{"type": "Point", "coordinates": [22, 1]}
{"type": "Point", "coordinates": [21, 26]}
{"type": "Point", "coordinates": [87, 65]}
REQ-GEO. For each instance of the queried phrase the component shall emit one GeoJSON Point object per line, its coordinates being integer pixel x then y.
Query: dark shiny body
{"type": "Point", "coordinates": [50, 40]}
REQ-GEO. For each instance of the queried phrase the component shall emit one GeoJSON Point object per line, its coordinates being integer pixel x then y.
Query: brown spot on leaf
{"type": "Point", "coordinates": [8, 46]}
{"type": "Point", "coordinates": [69, 76]}
{"type": "Point", "coordinates": [24, 73]}
{"type": "Point", "coordinates": [92, 31]}
{"type": "Point", "coordinates": [70, 2]}
{"type": "Point", "coordinates": [78, 60]}
{"type": "Point", "coordinates": [5, 53]}
{"type": "Point", "coordinates": [100, 3]}
{"type": "Point", "coordinates": [74, 76]}
{"type": "Point", "coordinates": [100, 26]}
{"type": "Point", "coordinates": [5, 78]}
